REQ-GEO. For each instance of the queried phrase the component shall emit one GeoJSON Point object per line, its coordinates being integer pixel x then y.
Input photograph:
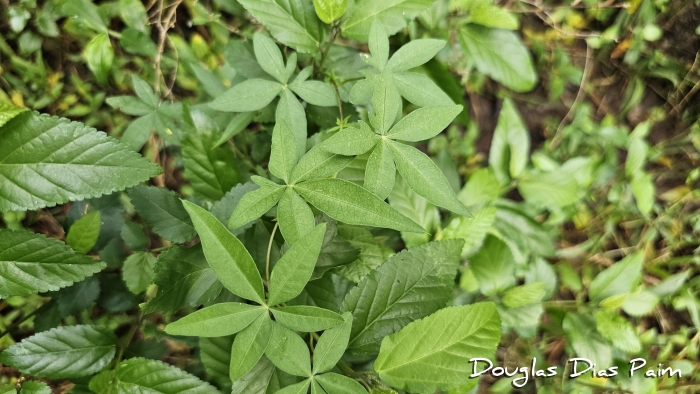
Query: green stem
{"type": "Point", "coordinates": [269, 249]}
{"type": "Point", "coordinates": [15, 324]}
{"type": "Point", "coordinates": [128, 338]}
{"type": "Point", "coordinates": [324, 51]}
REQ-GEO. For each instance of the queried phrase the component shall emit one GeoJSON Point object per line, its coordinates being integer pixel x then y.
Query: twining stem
{"type": "Point", "coordinates": [269, 249]}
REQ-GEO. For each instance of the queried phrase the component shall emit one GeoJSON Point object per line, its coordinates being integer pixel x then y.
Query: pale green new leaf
{"type": "Point", "coordinates": [294, 216]}
{"type": "Point", "coordinates": [138, 271]}
{"type": "Point", "coordinates": [331, 345]}
{"type": "Point", "coordinates": [510, 147]}
{"type": "Point", "coordinates": [315, 92]}
{"type": "Point", "coordinates": [340, 384]}
{"type": "Point", "coordinates": [409, 286]}
{"type": "Point", "coordinates": [352, 141]}
{"type": "Point", "coordinates": [99, 55]}
{"type": "Point", "coordinates": [226, 255]}
{"type": "Point", "coordinates": [380, 172]}
{"type": "Point", "coordinates": [551, 189]}
{"type": "Point", "coordinates": [499, 54]}
{"type": "Point", "coordinates": [581, 332]}
{"type": "Point", "coordinates": [330, 10]}
{"type": "Point", "coordinates": [636, 156]}
{"type": "Point", "coordinates": [254, 204]}
{"type": "Point", "coordinates": [283, 156]}
{"type": "Point", "coordinates": [162, 210]}
{"type": "Point", "coordinates": [218, 320]}
{"type": "Point", "coordinates": [46, 161]}
{"type": "Point", "coordinates": [247, 96]}
{"type": "Point", "coordinates": [288, 351]}
{"type": "Point", "coordinates": [306, 318]}
{"type": "Point", "coordinates": [425, 178]}
{"type": "Point", "coordinates": [249, 345]}
{"type": "Point", "coordinates": [432, 354]}
{"type": "Point", "coordinates": [293, 23]}
{"type": "Point", "coordinates": [527, 294]}
{"type": "Point", "coordinates": [493, 266]}
{"type": "Point", "coordinates": [63, 352]}
{"type": "Point", "coordinates": [31, 263]}
{"type": "Point", "coordinates": [294, 269]}
{"type": "Point", "coordinates": [378, 46]}
{"type": "Point", "coordinates": [83, 234]}
{"type": "Point", "coordinates": [489, 15]}
{"type": "Point", "coordinates": [346, 202]}
{"type": "Point", "coordinates": [619, 278]}
{"type": "Point", "coordinates": [424, 123]}
{"type": "Point", "coordinates": [414, 54]}
{"type": "Point", "coordinates": [9, 111]}
{"type": "Point", "coordinates": [393, 14]}
{"type": "Point", "coordinates": [643, 191]}
{"type": "Point", "coordinates": [269, 57]}
{"type": "Point", "coordinates": [617, 330]}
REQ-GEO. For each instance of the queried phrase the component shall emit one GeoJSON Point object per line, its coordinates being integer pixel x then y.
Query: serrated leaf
{"type": "Point", "coordinates": [331, 346]}
{"type": "Point", "coordinates": [433, 354]}
{"type": "Point", "coordinates": [293, 23]}
{"type": "Point", "coordinates": [499, 54]}
{"type": "Point", "coordinates": [585, 340]}
{"type": "Point", "coordinates": [184, 278]}
{"type": "Point", "coordinates": [83, 234]}
{"type": "Point", "coordinates": [72, 162]}
{"type": "Point", "coordinates": [620, 278]}
{"type": "Point", "coordinates": [373, 252]}
{"type": "Point", "coordinates": [249, 345]}
{"type": "Point", "coordinates": [288, 351]}
{"type": "Point", "coordinates": [138, 271]}
{"type": "Point", "coordinates": [424, 123]}
{"type": "Point", "coordinates": [416, 208]}
{"type": "Point", "coordinates": [493, 266]}
{"type": "Point", "coordinates": [9, 111]}
{"type": "Point", "coordinates": [226, 255]}
{"type": "Point", "coordinates": [414, 54]}
{"type": "Point", "coordinates": [349, 203]}
{"type": "Point", "coordinates": [510, 148]}
{"type": "Point", "coordinates": [315, 92]}
{"type": "Point", "coordinates": [215, 354]}
{"type": "Point", "coordinates": [617, 330]}
{"type": "Point", "coordinates": [306, 318]}
{"type": "Point", "coordinates": [294, 216]}
{"type": "Point", "coordinates": [31, 263]}
{"type": "Point", "coordinates": [293, 270]}
{"type": "Point", "coordinates": [63, 352]}
{"type": "Point", "coordinates": [283, 156]}
{"type": "Point", "coordinates": [254, 204]}
{"type": "Point", "coordinates": [78, 297]}
{"type": "Point", "coordinates": [330, 10]}
{"type": "Point", "coordinates": [351, 141]}
{"type": "Point", "coordinates": [425, 178]}
{"type": "Point", "coordinates": [269, 57]}
{"type": "Point", "coordinates": [250, 95]}
{"type": "Point", "coordinates": [340, 384]}
{"type": "Point", "coordinates": [318, 163]}
{"type": "Point", "coordinates": [162, 210]}
{"type": "Point", "coordinates": [409, 286]}
{"type": "Point", "coordinates": [472, 230]}
{"type": "Point", "coordinates": [218, 320]}
{"type": "Point", "coordinates": [393, 14]}
{"type": "Point", "coordinates": [380, 172]}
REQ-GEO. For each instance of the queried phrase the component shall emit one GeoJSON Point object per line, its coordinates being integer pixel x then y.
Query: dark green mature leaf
{"type": "Point", "coordinates": [138, 271]}
{"type": "Point", "coordinates": [424, 123]}
{"type": "Point", "coordinates": [283, 156]}
{"type": "Point", "coordinates": [420, 90]}
{"type": "Point", "coordinates": [254, 204]}
{"type": "Point", "coordinates": [340, 384]}
{"type": "Point", "coordinates": [294, 269]}
{"type": "Point", "coordinates": [331, 345]}
{"type": "Point", "coordinates": [9, 111]}
{"type": "Point", "coordinates": [330, 10]}
{"type": "Point", "coordinates": [63, 352]}
{"type": "Point", "coordinates": [226, 255]}
{"type": "Point", "coordinates": [82, 235]}
{"type": "Point", "coordinates": [260, 379]}
{"type": "Point", "coordinates": [306, 318]}
{"type": "Point", "coordinates": [293, 23]}
{"type": "Point", "coordinates": [251, 95]}
{"type": "Point", "coordinates": [380, 173]}
{"type": "Point", "coordinates": [162, 210]}
{"type": "Point", "coordinates": [218, 320]}
{"type": "Point", "coordinates": [184, 278]}
{"type": "Point", "coordinates": [215, 354]}
{"type": "Point", "coordinates": [493, 266]}
{"type": "Point", "coordinates": [34, 387]}
{"type": "Point", "coordinates": [620, 278]}
{"type": "Point", "coordinates": [409, 286]}
{"type": "Point", "coordinates": [223, 208]}
{"type": "Point", "coordinates": [393, 14]}
{"type": "Point", "coordinates": [296, 388]}
{"type": "Point", "coordinates": [499, 54]}
{"type": "Point", "coordinates": [414, 54]}
{"type": "Point", "coordinates": [288, 351]}
{"type": "Point", "coordinates": [67, 161]}
{"type": "Point", "coordinates": [315, 92]}
{"type": "Point", "coordinates": [433, 354]}
{"type": "Point", "coordinates": [31, 263]}
{"type": "Point", "coordinates": [294, 216]}
{"type": "Point", "coordinates": [373, 252]}
{"type": "Point", "coordinates": [349, 203]}
{"type": "Point", "coordinates": [78, 297]}
{"type": "Point", "coordinates": [249, 345]}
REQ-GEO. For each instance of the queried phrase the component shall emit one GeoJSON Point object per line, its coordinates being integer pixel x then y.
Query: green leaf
{"type": "Point", "coordinates": [528, 294]}
{"type": "Point", "coordinates": [293, 24]}
{"type": "Point", "coordinates": [424, 123]}
{"type": "Point", "coordinates": [499, 54]}
{"type": "Point", "coordinates": [217, 320]}
{"type": "Point", "coordinates": [288, 351]}
{"type": "Point", "coordinates": [255, 203]}
{"type": "Point", "coordinates": [409, 286]}
{"type": "Point", "coordinates": [306, 318]}
{"type": "Point", "coordinates": [510, 148]}
{"type": "Point", "coordinates": [585, 340]}
{"type": "Point", "coordinates": [87, 12]}
{"type": "Point", "coordinates": [380, 173]}
{"type": "Point", "coordinates": [99, 55]}
{"type": "Point", "coordinates": [331, 345]}
{"type": "Point", "coordinates": [315, 92]}
{"type": "Point", "coordinates": [249, 345]}
{"type": "Point", "coordinates": [330, 10]}
{"type": "Point", "coordinates": [294, 216]}
{"type": "Point", "coordinates": [643, 191]}
{"type": "Point", "coordinates": [269, 57]}
{"type": "Point", "coordinates": [9, 111]}
{"type": "Point", "coordinates": [414, 54]}
{"type": "Point", "coordinates": [393, 14]}
{"type": "Point", "coordinates": [318, 163]}
{"type": "Point", "coordinates": [619, 278]}
{"type": "Point", "coordinates": [351, 141]}
{"type": "Point", "coordinates": [296, 388]}
{"type": "Point", "coordinates": [432, 354]}
{"type": "Point", "coordinates": [340, 384]}
{"type": "Point", "coordinates": [351, 204]}
{"type": "Point", "coordinates": [294, 269]}
{"type": "Point", "coordinates": [283, 156]}
{"type": "Point", "coordinates": [63, 352]}
{"type": "Point", "coordinates": [34, 387]}
{"type": "Point", "coordinates": [373, 252]}
{"type": "Point", "coordinates": [472, 230]}
{"type": "Point", "coordinates": [490, 15]}
{"type": "Point", "coordinates": [549, 189]}
{"type": "Point", "coordinates": [183, 278]}
{"type": "Point", "coordinates": [617, 330]}
{"type": "Point", "coordinates": [215, 354]}
{"type": "Point", "coordinates": [247, 96]}
{"type": "Point", "coordinates": [386, 101]}
{"type": "Point", "coordinates": [138, 271]}
{"type": "Point", "coordinates": [636, 156]}
{"type": "Point", "coordinates": [238, 123]}
{"type": "Point", "coordinates": [378, 46]}
{"type": "Point", "coordinates": [420, 90]}
{"type": "Point", "coordinates": [139, 375]}
{"type": "Point", "coordinates": [425, 178]}
{"type": "Point", "coordinates": [640, 303]}
{"type": "Point", "coordinates": [162, 210]}
{"type": "Point", "coordinates": [83, 234]}
{"type": "Point", "coordinates": [72, 162]}
{"type": "Point", "coordinates": [31, 263]}
{"type": "Point", "coordinates": [226, 255]}
{"type": "Point", "coordinates": [133, 13]}
{"type": "Point", "coordinates": [290, 110]}
{"type": "Point", "coordinates": [416, 208]}
{"type": "Point", "coordinates": [260, 379]}
{"type": "Point", "coordinates": [493, 266]}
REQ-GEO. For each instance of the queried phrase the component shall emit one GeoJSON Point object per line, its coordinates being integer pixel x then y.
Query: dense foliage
{"type": "Point", "coordinates": [348, 196]}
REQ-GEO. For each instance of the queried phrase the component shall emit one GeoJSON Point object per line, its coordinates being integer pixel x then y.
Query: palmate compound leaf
{"type": "Point", "coordinates": [433, 354]}
{"type": "Point", "coordinates": [393, 14]}
{"type": "Point", "coordinates": [63, 352]}
{"type": "Point", "coordinates": [218, 320]}
{"type": "Point", "coordinates": [331, 346]}
{"type": "Point", "coordinates": [47, 160]}
{"type": "Point", "coordinates": [31, 263]}
{"type": "Point", "coordinates": [411, 285]}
